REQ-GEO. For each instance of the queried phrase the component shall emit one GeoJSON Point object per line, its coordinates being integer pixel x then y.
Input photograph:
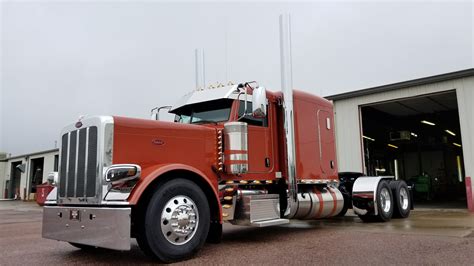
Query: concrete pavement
{"type": "Point", "coordinates": [427, 237]}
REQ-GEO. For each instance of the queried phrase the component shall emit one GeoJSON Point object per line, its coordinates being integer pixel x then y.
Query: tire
{"type": "Point", "coordinates": [401, 199]}
{"type": "Point", "coordinates": [176, 221]}
{"type": "Point", "coordinates": [384, 204]}
{"type": "Point", "coordinates": [347, 202]}
{"type": "Point", "coordinates": [343, 211]}
{"type": "Point", "coordinates": [82, 246]}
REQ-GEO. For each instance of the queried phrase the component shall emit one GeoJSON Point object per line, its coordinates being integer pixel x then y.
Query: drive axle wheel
{"type": "Point", "coordinates": [401, 198]}
{"type": "Point", "coordinates": [176, 222]}
{"type": "Point", "coordinates": [385, 204]}
{"type": "Point", "coordinates": [347, 202]}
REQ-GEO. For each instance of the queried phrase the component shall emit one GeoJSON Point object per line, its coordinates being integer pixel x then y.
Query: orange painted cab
{"type": "Point", "coordinates": [314, 137]}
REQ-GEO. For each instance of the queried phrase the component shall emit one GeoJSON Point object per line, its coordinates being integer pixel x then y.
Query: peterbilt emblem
{"type": "Point", "coordinates": [78, 124]}
{"type": "Point", "coordinates": [157, 142]}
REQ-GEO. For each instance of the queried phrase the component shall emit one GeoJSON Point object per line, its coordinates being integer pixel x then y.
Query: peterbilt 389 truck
{"type": "Point", "coordinates": [236, 153]}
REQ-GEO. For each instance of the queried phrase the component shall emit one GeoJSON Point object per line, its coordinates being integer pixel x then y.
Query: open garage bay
{"type": "Point", "coordinates": [418, 140]}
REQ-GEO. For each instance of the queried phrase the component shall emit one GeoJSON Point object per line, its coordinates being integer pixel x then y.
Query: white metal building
{"type": "Point", "coordinates": [419, 130]}
{"type": "Point", "coordinates": [19, 175]}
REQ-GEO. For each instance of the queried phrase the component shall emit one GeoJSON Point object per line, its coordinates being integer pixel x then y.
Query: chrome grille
{"type": "Point", "coordinates": [78, 171]}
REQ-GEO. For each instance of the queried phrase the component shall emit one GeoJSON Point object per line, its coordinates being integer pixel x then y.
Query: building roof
{"type": "Point", "coordinates": [404, 84]}
{"type": "Point", "coordinates": [31, 154]}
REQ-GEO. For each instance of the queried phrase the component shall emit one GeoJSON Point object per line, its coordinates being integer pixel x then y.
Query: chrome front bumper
{"type": "Point", "coordinates": [99, 227]}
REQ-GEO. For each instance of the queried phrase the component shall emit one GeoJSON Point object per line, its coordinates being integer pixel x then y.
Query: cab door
{"type": "Point", "coordinates": [259, 141]}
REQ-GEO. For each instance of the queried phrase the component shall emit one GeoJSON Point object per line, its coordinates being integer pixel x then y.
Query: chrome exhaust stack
{"type": "Point", "coordinates": [287, 88]}
{"type": "Point", "coordinates": [200, 71]}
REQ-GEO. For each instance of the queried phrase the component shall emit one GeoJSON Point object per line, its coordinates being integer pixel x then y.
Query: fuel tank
{"type": "Point", "coordinates": [236, 148]}
{"type": "Point", "coordinates": [318, 202]}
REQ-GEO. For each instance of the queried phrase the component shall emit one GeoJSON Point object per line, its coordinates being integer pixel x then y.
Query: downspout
{"type": "Point", "coordinates": [287, 88]}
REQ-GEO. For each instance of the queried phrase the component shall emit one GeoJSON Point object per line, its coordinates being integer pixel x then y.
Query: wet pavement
{"type": "Point", "coordinates": [428, 237]}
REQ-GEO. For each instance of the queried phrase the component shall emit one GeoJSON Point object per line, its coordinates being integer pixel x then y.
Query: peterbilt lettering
{"type": "Point", "coordinates": [238, 153]}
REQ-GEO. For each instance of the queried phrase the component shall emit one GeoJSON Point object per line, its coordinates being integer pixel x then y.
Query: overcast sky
{"type": "Point", "coordinates": [62, 60]}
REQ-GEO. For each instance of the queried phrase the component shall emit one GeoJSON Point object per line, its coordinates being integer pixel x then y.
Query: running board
{"type": "Point", "coordinates": [270, 222]}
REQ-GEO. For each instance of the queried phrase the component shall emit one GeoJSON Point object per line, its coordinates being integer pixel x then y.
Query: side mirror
{"type": "Point", "coordinates": [259, 102]}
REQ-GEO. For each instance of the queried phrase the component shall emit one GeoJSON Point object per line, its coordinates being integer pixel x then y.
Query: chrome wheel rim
{"type": "Point", "coordinates": [403, 198]}
{"type": "Point", "coordinates": [179, 220]}
{"type": "Point", "coordinates": [385, 201]}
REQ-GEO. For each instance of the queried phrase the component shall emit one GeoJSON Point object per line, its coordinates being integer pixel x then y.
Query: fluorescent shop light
{"type": "Point", "coordinates": [450, 132]}
{"type": "Point", "coordinates": [456, 144]}
{"type": "Point", "coordinates": [414, 135]}
{"type": "Point", "coordinates": [395, 165]}
{"type": "Point", "coordinates": [392, 146]}
{"type": "Point", "coordinates": [371, 139]}
{"type": "Point", "coordinates": [458, 161]}
{"type": "Point", "coordinates": [428, 122]}
{"type": "Point", "coordinates": [382, 170]}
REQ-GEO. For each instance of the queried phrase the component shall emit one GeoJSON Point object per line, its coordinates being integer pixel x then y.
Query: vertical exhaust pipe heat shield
{"type": "Point", "coordinates": [287, 88]}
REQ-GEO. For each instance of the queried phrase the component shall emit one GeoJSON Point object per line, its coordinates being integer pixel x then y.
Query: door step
{"type": "Point", "coordinates": [270, 222]}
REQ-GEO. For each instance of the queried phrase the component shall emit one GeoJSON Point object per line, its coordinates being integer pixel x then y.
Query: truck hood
{"type": "Point", "coordinates": [149, 142]}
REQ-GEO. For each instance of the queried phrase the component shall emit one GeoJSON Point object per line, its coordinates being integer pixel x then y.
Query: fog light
{"type": "Point", "coordinates": [122, 172]}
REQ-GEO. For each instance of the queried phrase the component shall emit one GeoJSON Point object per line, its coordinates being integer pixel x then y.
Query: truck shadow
{"type": "Point", "coordinates": [241, 234]}
{"type": "Point", "coordinates": [106, 256]}
{"type": "Point", "coordinates": [232, 235]}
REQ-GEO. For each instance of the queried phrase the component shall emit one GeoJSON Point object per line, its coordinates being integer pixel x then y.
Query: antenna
{"type": "Point", "coordinates": [200, 75]}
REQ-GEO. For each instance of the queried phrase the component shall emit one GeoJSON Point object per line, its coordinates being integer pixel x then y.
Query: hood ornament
{"type": "Point", "coordinates": [79, 122]}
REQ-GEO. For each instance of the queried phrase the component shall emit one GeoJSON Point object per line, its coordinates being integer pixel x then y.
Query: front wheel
{"type": "Point", "coordinates": [176, 221]}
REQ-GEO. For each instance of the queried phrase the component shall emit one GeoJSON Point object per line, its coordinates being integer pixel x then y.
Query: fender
{"type": "Point", "coordinates": [365, 187]}
{"type": "Point", "coordinates": [152, 173]}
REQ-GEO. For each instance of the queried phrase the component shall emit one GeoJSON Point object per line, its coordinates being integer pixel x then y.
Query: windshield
{"type": "Point", "coordinates": [205, 112]}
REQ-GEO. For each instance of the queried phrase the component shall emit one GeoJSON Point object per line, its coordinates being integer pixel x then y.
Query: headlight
{"type": "Point", "coordinates": [120, 173]}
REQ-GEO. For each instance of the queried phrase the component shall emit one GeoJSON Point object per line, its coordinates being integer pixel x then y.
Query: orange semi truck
{"type": "Point", "coordinates": [236, 153]}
